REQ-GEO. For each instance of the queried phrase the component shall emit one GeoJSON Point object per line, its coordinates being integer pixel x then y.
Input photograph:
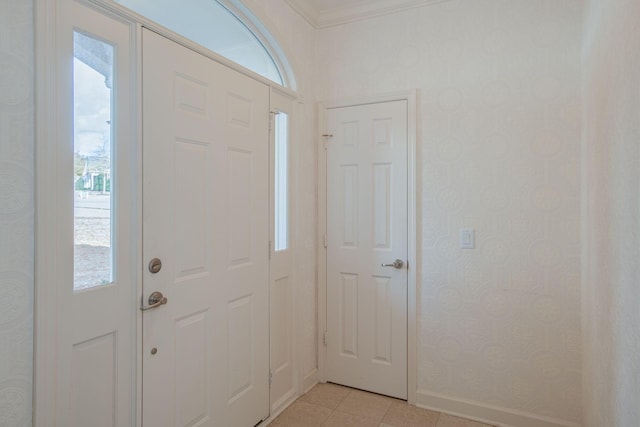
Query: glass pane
{"type": "Point", "coordinates": [92, 107]}
{"type": "Point", "coordinates": [281, 182]}
{"type": "Point", "coordinates": [209, 24]}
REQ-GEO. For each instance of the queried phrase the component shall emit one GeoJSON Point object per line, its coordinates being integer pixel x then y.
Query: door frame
{"type": "Point", "coordinates": [411, 96]}
{"type": "Point", "coordinates": [45, 310]}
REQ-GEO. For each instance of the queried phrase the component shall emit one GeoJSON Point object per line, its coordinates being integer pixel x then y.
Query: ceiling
{"type": "Point", "coordinates": [327, 13]}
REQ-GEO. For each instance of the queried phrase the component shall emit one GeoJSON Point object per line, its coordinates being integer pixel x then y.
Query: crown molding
{"type": "Point", "coordinates": [342, 15]}
{"type": "Point", "coordinates": [306, 10]}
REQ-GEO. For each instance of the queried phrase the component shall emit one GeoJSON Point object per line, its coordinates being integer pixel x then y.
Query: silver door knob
{"type": "Point", "coordinates": [396, 264]}
{"type": "Point", "coordinates": [156, 299]}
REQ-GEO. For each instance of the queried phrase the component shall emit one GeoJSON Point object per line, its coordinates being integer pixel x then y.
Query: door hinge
{"type": "Point", "coordinates": [269, 248]}
{"type": "Point", "coordinates": [270, 378]}
{"type": "Point", "coordinates": [325, 143]}
{"type": "Point", "coordinates": [325, 241]}
{"type": "Point", "coordinates": [272, 114]}
{"type": "Point", "coordinates": [324, 338]}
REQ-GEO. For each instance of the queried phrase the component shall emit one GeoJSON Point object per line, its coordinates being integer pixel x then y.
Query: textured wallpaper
{"type": "Point", "coordinates": [16, 211]}
{"type": "Point", "coordinates": [500, 153]}
{"type": "Point", "coordinates": [611, 66]}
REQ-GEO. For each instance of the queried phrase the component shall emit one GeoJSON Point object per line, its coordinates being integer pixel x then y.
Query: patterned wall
{"type": "Point", "coordinates": [16, 211]}
{"type": "Point", "coordinates": [611, 67]}
{"type": "Point", "coordinates": [500, 153]}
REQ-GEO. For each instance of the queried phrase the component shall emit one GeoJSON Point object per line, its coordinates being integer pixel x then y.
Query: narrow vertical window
{"type": "Point", "coordinates": [281, 213]}
{"type": "Point", "coordinates": [92, 148]}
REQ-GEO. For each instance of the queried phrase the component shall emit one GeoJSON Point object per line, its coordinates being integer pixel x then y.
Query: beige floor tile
{"type": "Point", "coordinates": [330, 405]}
{"type": "Point", "coordinates": [401, 414]}
{"type": "Point", "coordinates": [343, 419]}
{"type": "Point", "coordinates": [451, 421]}
{"type": "Point", "coordinates": [366, 404]}
{"type": "Point", "coordinates": [327, 395]}
{"type": "Point", "coordinates": [302, 414]}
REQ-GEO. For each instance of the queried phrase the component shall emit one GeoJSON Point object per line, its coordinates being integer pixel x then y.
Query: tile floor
{"type": "Point", "coordinates": [331, 405]}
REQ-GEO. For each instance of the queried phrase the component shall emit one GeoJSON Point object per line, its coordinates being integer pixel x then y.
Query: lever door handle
{"type": "Point", "coordinates": [156, 299]}
{"type": "Point", "coordinates": [396, 264]}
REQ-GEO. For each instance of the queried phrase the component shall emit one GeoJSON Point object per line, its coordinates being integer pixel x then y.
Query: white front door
{"type": "Point", "coordinates": [86, 229]}
{"type": "Point", "coordinates": [205, 218]}
{"type": "Point", "coordinates": [366, 229]}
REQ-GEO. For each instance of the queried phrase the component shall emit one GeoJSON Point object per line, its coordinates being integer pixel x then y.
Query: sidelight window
{"type": "Point", "coordinates": [92, 151]}
{"type": "Point", "coordinates": [281, 195]}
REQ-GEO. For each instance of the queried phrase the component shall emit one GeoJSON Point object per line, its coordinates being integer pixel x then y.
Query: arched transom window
{"type": "Point", "coordinates": [212, 25]}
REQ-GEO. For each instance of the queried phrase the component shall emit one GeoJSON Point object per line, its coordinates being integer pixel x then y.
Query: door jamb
{"type": "Point", "coordinates": [413, 225]}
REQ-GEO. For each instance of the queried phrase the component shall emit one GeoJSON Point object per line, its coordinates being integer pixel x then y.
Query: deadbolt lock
{"type": "Point", "coordinates": [155, 265]}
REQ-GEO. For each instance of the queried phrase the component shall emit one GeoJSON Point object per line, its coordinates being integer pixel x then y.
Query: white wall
{"type": "Point", "coordinates": [499, 326]}
{"type": "Point", "coordinates": [16, 211]}
{"type": "Point", "coordinates": [611, 67]}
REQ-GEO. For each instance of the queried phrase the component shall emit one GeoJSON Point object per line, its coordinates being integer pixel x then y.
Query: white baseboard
{"type": "Point", "coordinates": [309, 380]}
{"type": "Point", "coordinates": [476, 411]}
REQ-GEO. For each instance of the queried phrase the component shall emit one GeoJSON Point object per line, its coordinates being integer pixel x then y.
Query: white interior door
{"type": "Point", "coordinates": [205, 217]}
{"type": "Point", "coordinates": [366, 228]}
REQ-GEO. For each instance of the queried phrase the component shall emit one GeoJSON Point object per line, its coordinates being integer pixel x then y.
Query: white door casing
{"type": "Point", "coordinates": [367, 220]}
{"type": "Point", "coordinates": [205, 216]}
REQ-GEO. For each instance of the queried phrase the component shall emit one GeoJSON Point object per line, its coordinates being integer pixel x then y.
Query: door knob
{"type": "Point", "coordinates": [156, 299]}
{"type": "Point", "coordinates": [396, 264]}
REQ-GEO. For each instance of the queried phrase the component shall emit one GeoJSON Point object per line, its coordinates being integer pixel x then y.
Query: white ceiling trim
{"type": "Point", "coordinates": [350, 13]}
{"type": "Point", "coordinates": [306, 10]}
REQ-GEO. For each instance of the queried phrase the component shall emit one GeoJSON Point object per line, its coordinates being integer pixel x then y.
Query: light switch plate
{"type": "Point", "coordinates": [467, 238]}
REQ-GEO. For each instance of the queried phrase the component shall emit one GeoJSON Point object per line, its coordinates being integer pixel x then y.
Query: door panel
{"type": "Point", "coordinates": [282, 295]}
{"type": "Point", "coordinates": [367, 227]}
{"type": "Point", "coordinates": [205, 215]}
{"type": "Point", "coordinates": [94, 275]}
